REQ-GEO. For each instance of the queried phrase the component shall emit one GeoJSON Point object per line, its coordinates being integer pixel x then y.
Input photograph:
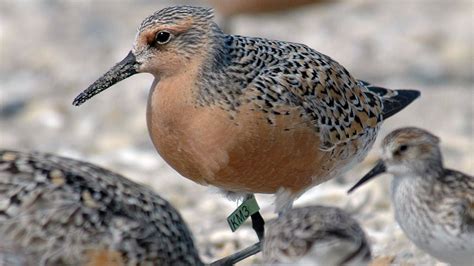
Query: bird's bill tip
{"type": "Point", "coordinates": [122, 70]}
{"type": "Point", "coordinates": [378, 169]}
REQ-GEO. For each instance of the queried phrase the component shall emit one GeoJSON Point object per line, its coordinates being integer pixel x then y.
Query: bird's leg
{"type": "Point", "coordinates": [258, 224]}
{"type": "Point", "coordinates": [249, 205]}
{"type": "Point", "coordinates": [239, 255]}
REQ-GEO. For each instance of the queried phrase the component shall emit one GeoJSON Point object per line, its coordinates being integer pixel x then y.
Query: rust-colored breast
{"type": "Point", "coordinates": [244, 153]}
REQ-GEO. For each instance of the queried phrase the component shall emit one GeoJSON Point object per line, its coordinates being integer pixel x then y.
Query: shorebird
{"type": "Point", "coordinates": [59, 211]}
{"type": "Point", "coordinates": [249, 115]}
{"type": "Point", "coordinates": [433, 205]}
{"type": "Point", "coordinates": [315, 235]}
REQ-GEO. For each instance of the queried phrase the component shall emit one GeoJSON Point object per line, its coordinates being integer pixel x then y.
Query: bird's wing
{"type": "Point", "coordinates": [461, 199]}
{"type": "Point", "coordinates": [329, 99]}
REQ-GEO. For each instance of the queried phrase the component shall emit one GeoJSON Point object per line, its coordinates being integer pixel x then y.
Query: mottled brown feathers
{"type": "Point", "coordinates": [61, 211]}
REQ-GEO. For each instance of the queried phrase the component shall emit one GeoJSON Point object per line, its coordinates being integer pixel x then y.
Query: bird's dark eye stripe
{"type": "Point", "coordinates": [162, 37]}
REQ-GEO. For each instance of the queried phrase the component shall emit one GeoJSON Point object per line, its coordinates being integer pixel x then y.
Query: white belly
{"type": "Point", "coordinates": [425, 229]}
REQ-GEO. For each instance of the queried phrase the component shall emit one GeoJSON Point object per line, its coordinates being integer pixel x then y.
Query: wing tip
{"type": "Point", "coordinates": [402, 99]}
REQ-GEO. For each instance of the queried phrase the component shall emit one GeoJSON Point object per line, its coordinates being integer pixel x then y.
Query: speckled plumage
{"type": "Point", "coordinates": [433, 205]}
{"type": "Point", "coordinates": [315, 235]}
{"type": "Point", "coordinates": [281, 77]}
{"type": "Point", "coordinates": [59, 211]}
{"type": "Point", "coordinates": [250, 115]}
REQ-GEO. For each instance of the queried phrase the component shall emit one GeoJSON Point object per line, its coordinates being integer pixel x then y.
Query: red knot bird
{"type": "Point", "coordinates": [433, 205]}
{"type": "Point", "coordinates": [249, 115]}
{"type": "Point", "coordinates": [315, 235]}
{"type": "Point", "coordinates": [60, 211]}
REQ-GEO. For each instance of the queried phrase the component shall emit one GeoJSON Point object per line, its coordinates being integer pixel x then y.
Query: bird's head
{"type": "Point", "coordinates": [168, 42]}
{"type": "Point", "coordinates": [407, 151]}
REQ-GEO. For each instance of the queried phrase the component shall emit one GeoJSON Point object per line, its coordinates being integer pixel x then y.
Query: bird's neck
{"type": "Point", "coordinates": [217, 82]}
{"type": "Point", "coordinates": [214, 50]}
{"type": "Point", "coordinates": [413, 186]}
{"type": "Point", "coordinates": [430, 169]}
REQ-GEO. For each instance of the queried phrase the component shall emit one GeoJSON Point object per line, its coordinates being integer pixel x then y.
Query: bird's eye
{"type": "Point", "coordinates": [162, 37]}
{"type": "Point", "coordinates": [400, 150]}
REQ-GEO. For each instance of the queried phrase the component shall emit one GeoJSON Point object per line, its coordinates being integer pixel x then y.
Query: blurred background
{"type": "Point", "coordinates": [52, 50]}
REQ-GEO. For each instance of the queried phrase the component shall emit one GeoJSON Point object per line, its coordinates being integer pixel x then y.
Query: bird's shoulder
{"type": "Point", "coordinates": [457, 189]}
{"type": "Point", "coordinates": [458, 183]}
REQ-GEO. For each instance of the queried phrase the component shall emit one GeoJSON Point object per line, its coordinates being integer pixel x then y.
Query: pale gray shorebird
{"type": "Point", "coordinates": [433, 205]}
{"type": "Point", "coordinates": [60, 211]}
{"type": "Point", "coordinates": [249, 115]}
{"type": "Point", "coordinates": [315, 235]}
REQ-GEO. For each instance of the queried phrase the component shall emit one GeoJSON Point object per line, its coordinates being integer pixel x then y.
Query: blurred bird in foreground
{"type": "Point", "coordinates": [433, 205]}
{"type": "Point", "coordinates": [250, 115]}
{"type": "Point", "coordinates": [315, 235]}
{"type": "Point", "coordinates": [59, 211]}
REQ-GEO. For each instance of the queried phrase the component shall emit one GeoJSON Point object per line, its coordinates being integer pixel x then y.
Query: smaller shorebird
{"type": "Point", "coordinates": [59, 211]}
{"type": "Point", "coordinates": [433, 205]}
{"type": "Point", "coordinates": [316, 235]}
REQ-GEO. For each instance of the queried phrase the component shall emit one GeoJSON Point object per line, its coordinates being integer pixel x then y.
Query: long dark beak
{"type": "Point", "coordinates": [378, 169]}
{"type": "Point", "coordinates": [124, 69]}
